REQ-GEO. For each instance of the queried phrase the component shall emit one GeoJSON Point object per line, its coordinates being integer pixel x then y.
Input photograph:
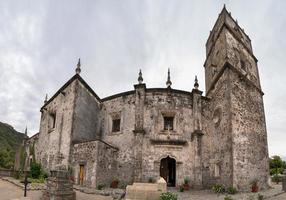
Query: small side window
{"type": "Point", "coordinates": [115, 125]}
{"type": "Point", "coordinates": [52, 121]}
{"type": "Point", "coordinates": [243, 65]}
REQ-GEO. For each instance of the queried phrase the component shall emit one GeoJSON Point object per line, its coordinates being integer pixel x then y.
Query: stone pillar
{"type": "Point", "coordinates": [197, 139]}
{"type": "Point", "coordinates": [138, 130]}
{"type": "Point", "coordinates": [284, 181]}
{"type": "Point", "coordinates": [59, 187]}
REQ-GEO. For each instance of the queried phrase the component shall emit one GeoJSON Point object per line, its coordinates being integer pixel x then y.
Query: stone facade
{"type": "Point", "coordinates": [146, 133]}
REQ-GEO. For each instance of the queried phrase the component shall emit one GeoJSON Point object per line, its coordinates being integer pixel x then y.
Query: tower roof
{"type": "Point", "coordinates": [226, 20]}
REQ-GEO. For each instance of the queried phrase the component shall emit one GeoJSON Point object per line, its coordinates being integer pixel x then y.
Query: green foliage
{"type": "Point", "coordinates": [276, 178]}
{"type": "Point", "coordinates": [217, 188]}
{"type": "Point", "coordinates": [151, 180]}
{"type": "Point", "coordinates": [260, 197]}
{"type": "Point", "coordinates": [276, 165]}
{"type": "Point", "coordinates": [7, 158]}
{"type": "Point", "coordinates": [168, 196]}
{"type": "Point", "coordinates": [100, 186]}
{"type": "Point", "coordinates": [37, 180]}
{"type": "Point", "coordinates": [35, 170]}
{"type": "Point", "coordinates": [10, 140]}
{"type": "Point", "coordinates": [186, 180]}
{"type": "Point", "coordinates": [228, 197]}
{"type": "Point", "coordinates": [181, 188]}
{"type": "Point", "coordinates": [231, 190]}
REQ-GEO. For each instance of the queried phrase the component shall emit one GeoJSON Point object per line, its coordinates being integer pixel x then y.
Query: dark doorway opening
{"type": "Point", "coordinates": [168, 171]}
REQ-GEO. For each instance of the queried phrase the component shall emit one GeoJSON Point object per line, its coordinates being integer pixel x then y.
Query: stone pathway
{"type": "Point", "coordinates": [274, 193]}
{"type": "Point", "coordinates": [9, 191]}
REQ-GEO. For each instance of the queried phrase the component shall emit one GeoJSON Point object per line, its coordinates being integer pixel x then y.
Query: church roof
{"type": "Point", "coordinates": [75, 77]}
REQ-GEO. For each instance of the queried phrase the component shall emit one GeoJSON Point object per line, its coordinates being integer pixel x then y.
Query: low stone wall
{"type": "Point", "coordinates": [146, 191]}
{"type": "Point", "coordinates": [59, 187]}
{"type": "Point", "coordinates": [6, 172]}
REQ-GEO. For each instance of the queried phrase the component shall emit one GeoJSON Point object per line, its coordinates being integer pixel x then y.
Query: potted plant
{"type": "Point", "coordinates": [254, 186]}
{"type": "Point", "coordinates": [114, 183]}
{"type": "Point", "coordinates": [186, 184]}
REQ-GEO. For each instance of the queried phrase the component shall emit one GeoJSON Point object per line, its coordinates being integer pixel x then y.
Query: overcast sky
{"type": "Point", "coordinates": [41, 41]}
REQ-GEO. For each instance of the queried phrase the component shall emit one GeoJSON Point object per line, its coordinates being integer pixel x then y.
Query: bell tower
{"type": "Point", "coordinates": [233, 84]}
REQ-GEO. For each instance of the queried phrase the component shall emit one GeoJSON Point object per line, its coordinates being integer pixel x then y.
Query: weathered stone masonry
{"type": "Point", "coordinates": [145, 133]}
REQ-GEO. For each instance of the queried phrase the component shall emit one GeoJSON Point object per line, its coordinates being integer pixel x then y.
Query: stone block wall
{"type": "Point", "coordinates": [99, 160]}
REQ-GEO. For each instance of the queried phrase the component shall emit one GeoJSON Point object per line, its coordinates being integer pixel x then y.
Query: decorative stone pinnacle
{"type": "Point", "coordinates": [169, 82]}
{"type": "Point", "coordinates": [78, 70]}
{"type": "Point", "coordinates": [46, 99]}
{"type": "Point", "coordinates": [26, 131]}
{"type": "Point", "coordinates": [196, 85]}
{"type": "Point", "coordinates": [140, 78]}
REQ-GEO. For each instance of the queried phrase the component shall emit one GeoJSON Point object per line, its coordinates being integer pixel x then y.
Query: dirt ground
{"type": "Point", "coordinates": [9, 191]}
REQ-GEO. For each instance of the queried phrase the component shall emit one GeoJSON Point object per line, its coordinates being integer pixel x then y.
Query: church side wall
{"type": "Point", "coordinates": [53, 148]}
{"type": "Point", "coordinates": [122, 108]}
{"type": "Point", "coordinates": [86, 123]}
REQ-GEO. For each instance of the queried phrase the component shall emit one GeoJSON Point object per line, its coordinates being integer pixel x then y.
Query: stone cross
{"type": "Point", "coordinates": [26, 182]}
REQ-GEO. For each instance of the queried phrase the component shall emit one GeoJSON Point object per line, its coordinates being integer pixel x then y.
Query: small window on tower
{"type": "Point", "coordinates": [168, 123]}
{"type": "Point", "coordinates": [243, 65]}
{"type": "Point", "coordinates": [115, 125]}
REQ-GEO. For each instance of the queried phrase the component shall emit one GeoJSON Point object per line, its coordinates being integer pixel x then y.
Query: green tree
{"type": "Point", "coordinates": [276, 165]}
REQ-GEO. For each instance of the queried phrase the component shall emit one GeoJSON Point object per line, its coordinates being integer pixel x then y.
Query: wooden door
{"type": "Point", "coordinates": [81, 174]}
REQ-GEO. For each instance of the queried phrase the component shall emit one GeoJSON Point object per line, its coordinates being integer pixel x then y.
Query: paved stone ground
{"type": "Point", "coordinates": [8, 191]}
{"type": "Point", "coordinates": [274, 193]}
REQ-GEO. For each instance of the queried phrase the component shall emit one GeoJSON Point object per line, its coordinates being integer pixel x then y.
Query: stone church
{"type": "Point", "coordinates": [142, 134]}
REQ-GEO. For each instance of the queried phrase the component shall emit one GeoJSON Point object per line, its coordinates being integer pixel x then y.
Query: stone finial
{"type": "Point", "coordinates": [26, 131]}
{"type": "Point", "coordinates": [196, 85]}
{"type": "Point", "coordinates": [169, 82]}
{"type": "Point", "coordinates": [140, 78]}
{"type": "Point", "coordinates": [78, 70]}
{"type": "Point", "coordinates": [46, 99]}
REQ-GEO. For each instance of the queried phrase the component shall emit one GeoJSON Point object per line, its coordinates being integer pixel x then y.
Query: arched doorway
{"type": "Point", "coordinates": [168, 171]}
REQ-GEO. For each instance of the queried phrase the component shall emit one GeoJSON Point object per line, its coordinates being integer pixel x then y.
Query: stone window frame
{"type": "Point", "coordinates": [168, 114]}
{"type": "Point", "coordinates": [217, 116]}
{"type": "Point", "coordinates": [115, 116]}
{"type": "Point", "coordinates": [52, 120]}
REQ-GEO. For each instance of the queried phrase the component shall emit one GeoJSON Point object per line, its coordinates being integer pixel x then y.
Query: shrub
{"type": "Point", "coordinates": [186, 180]}
{"type": "Point", "coordinates": [217, 188]}
{"type": "Point", "coordinates": [151, 180]}
{"type": "Point", "coordinates": [35, 170]}
{"type": "Point", "coordinates": [231, 190]}
{"type": "Point", "coordinates": [181, 188]}
{"type": "Point", "coordinates": [260, 197]}
{"type": "Point", "coordinates": [100, 186]}
{"type": "Point", "coordinates": [168, 196]}
{"type": "Point", "coordinates": [276, 178]}
{"type": "Point", "coordinates": [228, 197]}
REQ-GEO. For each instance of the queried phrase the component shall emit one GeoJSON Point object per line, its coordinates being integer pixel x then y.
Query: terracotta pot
{"type": "Point", "coordinates": [186, 187]}
{"type": "Point", "coordinates": [114, 184]}
{"type": "Point", "coordinates": [71, 178]}
{"type": "Point", "coordinates": [254, 188]}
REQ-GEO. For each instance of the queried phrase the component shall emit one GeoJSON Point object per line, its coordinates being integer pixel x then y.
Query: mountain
{"type": "Point", "coordinates": [10, 141]}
